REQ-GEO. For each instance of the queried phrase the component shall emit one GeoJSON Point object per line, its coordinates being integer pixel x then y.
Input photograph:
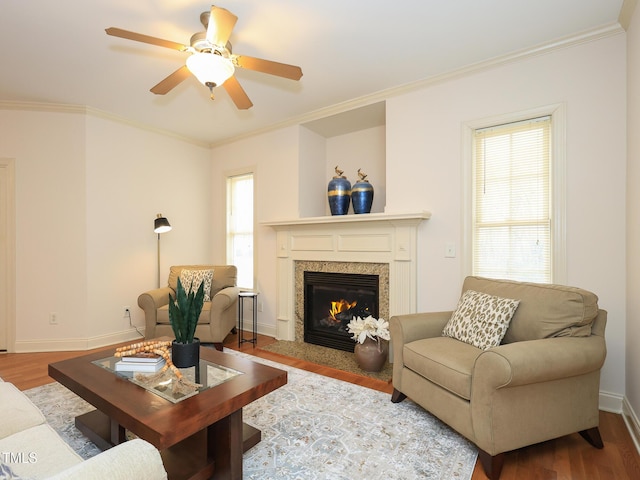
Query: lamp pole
{"type": "Point", "coordinates": [158, 260]}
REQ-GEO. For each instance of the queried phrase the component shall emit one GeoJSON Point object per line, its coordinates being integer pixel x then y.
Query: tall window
{"type": "Point", "coordinates": [511, 224]}
{"type": "Point", "coordinates": [240, 227]}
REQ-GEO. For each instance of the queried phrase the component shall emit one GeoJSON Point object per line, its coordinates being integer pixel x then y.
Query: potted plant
{"type": "Point", "coordinates": [372, 335]}
{"type": "Point", "coordinates": [184, 311]}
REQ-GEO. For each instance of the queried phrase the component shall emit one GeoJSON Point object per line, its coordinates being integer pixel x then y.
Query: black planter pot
{"type": "Point", "coordinates": [185, 355]}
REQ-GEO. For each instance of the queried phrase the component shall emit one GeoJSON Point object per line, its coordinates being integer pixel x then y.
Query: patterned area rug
{"type": "Point", "coordinates": [317, 428]}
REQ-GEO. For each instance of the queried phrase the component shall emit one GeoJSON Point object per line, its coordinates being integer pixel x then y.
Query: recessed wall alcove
{"type": "Point", "coordinates": [353, 139]}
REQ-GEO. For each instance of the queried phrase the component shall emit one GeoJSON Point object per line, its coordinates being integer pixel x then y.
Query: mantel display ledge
{"type": "Point", "coordinates": [351, 219]}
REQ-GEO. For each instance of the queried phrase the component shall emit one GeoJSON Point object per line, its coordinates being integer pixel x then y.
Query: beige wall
{"type": "Point", "coordinates": [50, 222]}
{"type": "Point", "coordinates": [632, 351]}
{"type": "Point", "coordinates": [424, 172]}
{"type": "Point", "coordinates": [87, 191]}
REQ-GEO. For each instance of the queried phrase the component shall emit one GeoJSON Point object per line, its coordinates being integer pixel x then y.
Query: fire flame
{"type": "Point", "coordinates": [341, 305]}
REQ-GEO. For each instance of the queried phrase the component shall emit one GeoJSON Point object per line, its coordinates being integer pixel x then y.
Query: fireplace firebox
{"type": "Point", "coordinates": [331, 300]}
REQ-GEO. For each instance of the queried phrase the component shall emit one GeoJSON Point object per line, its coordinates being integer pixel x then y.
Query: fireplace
{"type": "Point", "coordinates": [331, 300]}
{"type": "Point", "coordinates": [383, 244]}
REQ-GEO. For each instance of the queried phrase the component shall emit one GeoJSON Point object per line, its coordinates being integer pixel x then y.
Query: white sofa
{"type": "Point", "coordinates": [30, 448]}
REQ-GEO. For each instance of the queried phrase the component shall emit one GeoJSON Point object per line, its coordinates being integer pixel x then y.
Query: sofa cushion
{"type": "Point", "coordinates": [191, 280]}
{"type": "Point", "coordinates": [224, 276]}
{"type": "Point", "coordinates": [17, 412]}
{"type": "Point", "coordinates": [480, 319]}
{"type": "Point", "coordinates": [444, 361]}
{"type": "Point", "coordinates": [134, 459]}
{"type": "Point", "coordinates": [545, 310]}
{"type": "Point", "coordinates": [38, 452]}
{"type": "Point", "coordinates": [203, 319]}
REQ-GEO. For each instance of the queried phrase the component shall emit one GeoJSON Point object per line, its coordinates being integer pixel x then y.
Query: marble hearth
{"type": "Point", "coordinates": [377, 243]}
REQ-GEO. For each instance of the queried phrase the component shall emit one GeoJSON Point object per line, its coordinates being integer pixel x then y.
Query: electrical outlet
{"type": "Point", "coordinates": [53, 318]}
{"type": "Point", "coordinates": [450, 250]}
{"type": "Point", "coordinates": [260, 306]}
{"type": "Point", "coordinates": [126, 312]}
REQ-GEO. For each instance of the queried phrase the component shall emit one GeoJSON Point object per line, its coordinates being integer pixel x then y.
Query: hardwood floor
{"type": "Point", "coordinates": [566, 458]}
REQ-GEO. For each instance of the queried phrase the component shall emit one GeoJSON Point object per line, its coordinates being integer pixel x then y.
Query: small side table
{"type": "Point", "coordinates": [242, 296]}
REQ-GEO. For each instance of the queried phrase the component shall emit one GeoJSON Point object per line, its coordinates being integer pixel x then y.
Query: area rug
{"type": "Point", "coordinates": [317, 428]}
{"type": "Point", "coordinates": [329, 357]}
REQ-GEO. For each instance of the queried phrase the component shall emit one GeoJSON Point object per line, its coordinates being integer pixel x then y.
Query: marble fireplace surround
{"type": "Point", "coordinates": [379, 243]}
{"type": "Point", "coordinates": [364, 268]}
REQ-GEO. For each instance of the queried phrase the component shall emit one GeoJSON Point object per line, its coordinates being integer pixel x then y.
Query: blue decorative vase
{"type": "Point", "coordinates": [339, 194]}
{"type": "Point", "coordinates": [362, 195]}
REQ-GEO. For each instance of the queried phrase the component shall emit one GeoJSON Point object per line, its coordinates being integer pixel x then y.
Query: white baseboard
{"type": "Point", "coordinates": [268, 330]}
{"type": "Point", "coordinates": [74, 344]}
{"type": "Point", "coordinates": [610, 402]}
{"type": "Point", "coordinates": [631, 420]}
{"type": "Point", "coordinates": [615, 403]}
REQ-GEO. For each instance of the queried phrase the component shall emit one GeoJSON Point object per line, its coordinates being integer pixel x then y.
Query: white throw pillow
{"type": "Point", "coordinates": [481, 319]}
{"type": "Point", "coordinates": [194, 278]}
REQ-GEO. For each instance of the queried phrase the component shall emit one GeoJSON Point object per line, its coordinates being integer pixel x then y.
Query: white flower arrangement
{"type": "Point", "coordinates": [373, 328]}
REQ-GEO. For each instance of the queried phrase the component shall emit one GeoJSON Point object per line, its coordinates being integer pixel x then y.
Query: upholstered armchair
{"type": "Point", "coordinates": [219, 312]}
{"type": "Point", "coordinates": [515, 364]}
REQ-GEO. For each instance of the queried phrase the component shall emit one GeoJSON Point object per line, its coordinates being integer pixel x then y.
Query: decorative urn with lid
{"type": "Point", "coordinates": [362, 194]}
{"type": "Point", "coordinates": [339, 193]}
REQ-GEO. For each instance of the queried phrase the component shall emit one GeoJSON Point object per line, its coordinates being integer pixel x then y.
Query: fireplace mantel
{"type": "Point", "coordinates": [363, 219]}
{"type": "Point", "coordinates": [377, 238]}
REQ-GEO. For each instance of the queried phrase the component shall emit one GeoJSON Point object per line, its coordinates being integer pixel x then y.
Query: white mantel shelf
{"type": "Point", "coordinates": [351, 219]}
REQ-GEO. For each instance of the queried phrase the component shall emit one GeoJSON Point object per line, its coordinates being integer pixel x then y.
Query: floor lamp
{"type": "Point", "coordinates": [160, 225]}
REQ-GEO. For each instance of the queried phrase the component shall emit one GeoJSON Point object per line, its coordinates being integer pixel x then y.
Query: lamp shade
{"type": "Point", "coordinates": [161, 224]}
{"type": "Point", "coordinates": [210, 68]}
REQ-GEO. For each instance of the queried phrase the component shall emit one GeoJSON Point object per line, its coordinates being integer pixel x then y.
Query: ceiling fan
{"type": "Point", "coordinates": [211, 59]}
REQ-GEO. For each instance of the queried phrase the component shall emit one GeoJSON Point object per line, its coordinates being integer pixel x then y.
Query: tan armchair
{"type": "Point", "coordinates": [542, 381]}
{"type": "Point", "coordinates": [218, 317]}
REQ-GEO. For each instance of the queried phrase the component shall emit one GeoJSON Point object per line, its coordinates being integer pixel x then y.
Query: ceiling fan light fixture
{"type": "Point", "coordinates": [210, 68]}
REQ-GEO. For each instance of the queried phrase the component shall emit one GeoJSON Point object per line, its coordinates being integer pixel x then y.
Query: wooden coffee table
{"type": "Point", "coordinates": [200, 437]}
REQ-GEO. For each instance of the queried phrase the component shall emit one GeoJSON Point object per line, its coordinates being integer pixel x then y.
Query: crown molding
{"type": "Point", "coordinates": [586, 36]}
{"type": "Point", "coordinates": [43, 107]}
{"type": "Point", "coordinates": [97, 113]}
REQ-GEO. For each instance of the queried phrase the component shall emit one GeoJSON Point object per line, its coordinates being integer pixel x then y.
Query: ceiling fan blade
{"type": "Point", "coordinates": [267, 66]}
{"type": "Point", "coordinates": [220, 25]}
{"type": "Point", "coordinates": [138, 37]}
{"type": "Point", "coordinates": [237, 93]}
{"type": "Point", "coordinates": [171, 81]}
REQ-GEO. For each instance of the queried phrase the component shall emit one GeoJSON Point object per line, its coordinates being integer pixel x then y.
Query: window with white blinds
{"type": "Point", "coordinates": [511, 224]}
{"type": "Point", "coordinates": [240, 227]}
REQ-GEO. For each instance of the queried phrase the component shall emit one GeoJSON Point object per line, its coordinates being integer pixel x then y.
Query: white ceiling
{"type": "Point", "coordinates": [57, 52]}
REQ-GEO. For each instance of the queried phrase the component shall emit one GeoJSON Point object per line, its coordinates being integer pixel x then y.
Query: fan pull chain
{"type": "Point", "coordinates": [211, 85]}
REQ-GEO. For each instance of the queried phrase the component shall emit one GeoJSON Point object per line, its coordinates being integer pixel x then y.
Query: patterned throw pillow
{"type": "Point", "coordinates": [195, 278]}
{"type": "Point", "coordinates": [480, 319]}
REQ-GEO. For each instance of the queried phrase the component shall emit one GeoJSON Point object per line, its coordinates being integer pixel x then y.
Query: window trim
{"type": "Point", "coordinates": [558, 184]}
{"type": "Point", "coordinates": [249, 170]}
